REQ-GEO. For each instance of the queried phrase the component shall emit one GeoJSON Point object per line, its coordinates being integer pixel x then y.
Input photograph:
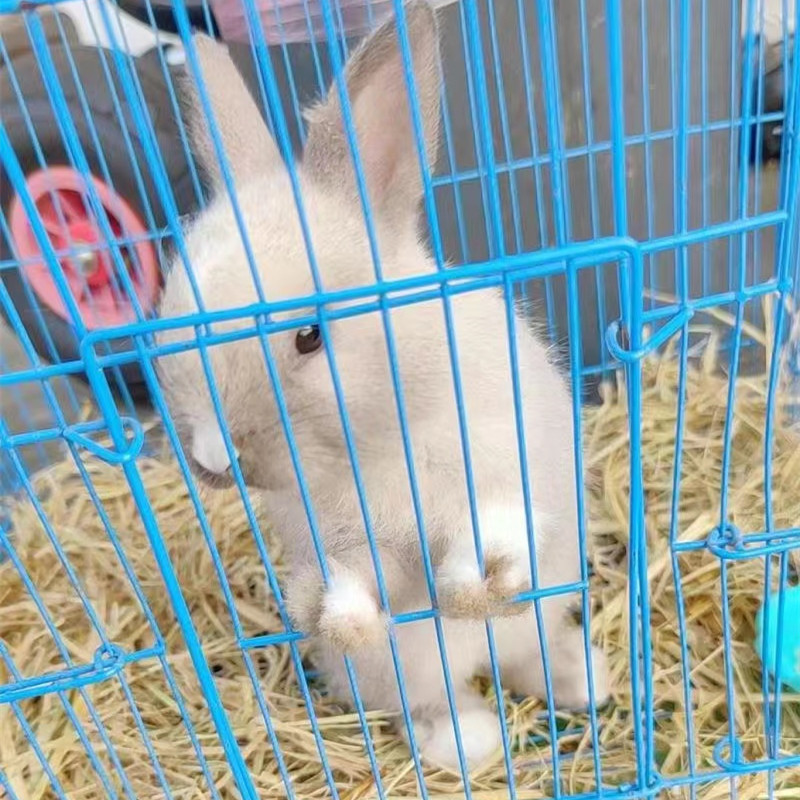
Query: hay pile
{"type": "Point", "coordinates": [173, 760]}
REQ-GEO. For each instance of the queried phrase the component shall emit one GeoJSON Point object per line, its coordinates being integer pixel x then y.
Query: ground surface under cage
{"type": "Point", "coordinates": [165, 761]}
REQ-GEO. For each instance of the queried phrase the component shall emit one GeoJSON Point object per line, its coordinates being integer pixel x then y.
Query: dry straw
{"type": "Point", "coordinates": [54, 719]}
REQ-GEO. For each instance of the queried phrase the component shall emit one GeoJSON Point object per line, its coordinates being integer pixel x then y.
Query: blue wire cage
{"type": "Point", "coordinates": [602, 164]}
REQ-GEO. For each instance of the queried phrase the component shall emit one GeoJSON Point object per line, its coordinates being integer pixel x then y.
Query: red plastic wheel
{"type": "Point", "coordinates": [60, 196]}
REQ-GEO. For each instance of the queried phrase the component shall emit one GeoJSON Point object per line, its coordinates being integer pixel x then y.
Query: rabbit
{"type": "Point", "coordinates": [344, 614]}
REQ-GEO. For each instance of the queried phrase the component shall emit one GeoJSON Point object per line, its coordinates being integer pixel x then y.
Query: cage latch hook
{"type": "Point", "coordinates": [624, 354]}
{"type": "Point", "coordinates": [109, 660]}
{"type": "Point", "coordinates": [77, 435]}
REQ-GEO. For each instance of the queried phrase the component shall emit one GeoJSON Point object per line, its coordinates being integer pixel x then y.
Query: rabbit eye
{"type": "Point", "coordinates": [308, 339]}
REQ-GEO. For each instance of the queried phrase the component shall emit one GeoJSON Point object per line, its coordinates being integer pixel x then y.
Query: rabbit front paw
{"type": "Point", "coordinates": [462, 592]}
{"type": "Point", "coordinates": [345, 614]}
{"type": "Point", "coordinates": [350, 618]}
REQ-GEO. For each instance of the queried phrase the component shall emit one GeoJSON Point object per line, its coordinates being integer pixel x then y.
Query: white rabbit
{"type": "Point", "coordinates": [346, 616]}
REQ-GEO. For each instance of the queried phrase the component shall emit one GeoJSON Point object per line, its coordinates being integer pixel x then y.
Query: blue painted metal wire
{"type": "Point", "coordinates": [539, 121]}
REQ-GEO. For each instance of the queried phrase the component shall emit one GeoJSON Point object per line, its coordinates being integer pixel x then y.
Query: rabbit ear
{"type": "Point", "coordinates": [249, 147]}
{"type": "Point", "coordinates": [381, 116]}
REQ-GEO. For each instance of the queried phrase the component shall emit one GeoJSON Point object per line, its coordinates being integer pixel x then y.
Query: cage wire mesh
{"type": "Point", "coordinates": [261, 449]}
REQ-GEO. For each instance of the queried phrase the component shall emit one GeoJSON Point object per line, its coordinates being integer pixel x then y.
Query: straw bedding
{"type": "Point", "coordinates": [91, 554]}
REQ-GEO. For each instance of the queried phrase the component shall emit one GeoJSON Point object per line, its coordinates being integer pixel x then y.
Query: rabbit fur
{"type": "Point", "coordinates": [346, 616]}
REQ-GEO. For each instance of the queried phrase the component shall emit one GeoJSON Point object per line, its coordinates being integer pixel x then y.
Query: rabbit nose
{"type": "Point", "coordinates": [209, 451]}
